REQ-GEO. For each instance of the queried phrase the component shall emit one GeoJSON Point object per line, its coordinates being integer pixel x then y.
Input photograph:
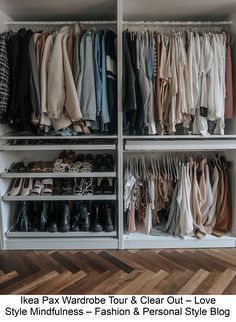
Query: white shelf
{"type": "Point", "coordinates": [58, 198]}
{"type": "Point", "coordinates": [80, 234]}
{"type": "Point", "coordinates": [16, 136]}
{"type": "Point", "coordinates": [179, 137]}
{"type": "Point", "coordinates": [180, 145]}
{"type": "Point", "coordinates": [61, 243]}
{"type": "Point", "coordinates": [144, 241]}
{"type": "Point", "coordinates": [58, 175]}
{"type": "Point", "coordinates": [57, 147]}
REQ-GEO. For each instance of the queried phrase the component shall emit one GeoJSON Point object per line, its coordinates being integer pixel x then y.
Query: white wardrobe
{"type": "Point", "coordinates": [116, 15]}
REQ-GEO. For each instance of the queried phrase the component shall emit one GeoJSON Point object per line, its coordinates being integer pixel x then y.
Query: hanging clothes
{"type": "Point", "coordinates": [185, 79]}
{"type": "Point", "coordinates": [177, 195]}
{"type": "Point", "coordinates": [59, 83]}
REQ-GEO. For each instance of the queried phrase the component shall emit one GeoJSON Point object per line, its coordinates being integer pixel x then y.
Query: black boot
{"type": "Point", "coordinates": [85, 218]}
{"type": "Point", "coordinates": [96, 227]}
{"type": "Point", "coordinates": [53, 219]}
{"type": "Point", "coordinates": [22, 222]}
{"type": "Point", "coordinates": [108, 226]}
{"type": "Point", "coordinates": [75, 217]}
{"type": "Point", "coordinates": [35, 212]}
{"type": "Point", "coordinates": [43, 220]}
{"type": "Point", "coordinates": [65, 218]}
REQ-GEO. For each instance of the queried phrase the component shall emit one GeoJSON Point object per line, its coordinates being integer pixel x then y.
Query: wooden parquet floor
{"type": "Point", "coordinates": [119, 272]}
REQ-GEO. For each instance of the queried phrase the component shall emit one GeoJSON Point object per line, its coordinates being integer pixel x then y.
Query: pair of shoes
{"type": "Point", "coordinates": [55, 217]}
{"type": "Point", "coordinates": [104, 186]}
{"type": "Point", "coordinates": [43, 187]}
{"type": "Point", "coordinates": [17, 167]}
{"type": "Point", "coordinates": [104, 163]}
{"type": "Point", "coordinates": [68, 157]}
{"type": "Point", "coordinates": [21, 187]}
{"type": "Point", "coordinates": [83, 186]}
{"type": "Point", "coordinates": [62, 187]}
{"type": "Point", "coordinates": [102, 219]}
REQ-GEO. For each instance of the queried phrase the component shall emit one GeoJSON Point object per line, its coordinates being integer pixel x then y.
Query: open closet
{"type": "Point", "coordinates": [150, 105]}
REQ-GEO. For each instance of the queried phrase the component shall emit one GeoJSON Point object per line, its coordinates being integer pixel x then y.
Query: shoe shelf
{"type": "Point", "coordinates": [180, 145]}
{"type": "Point", "coordinates": [17, 136]}
{"type": "Point", "coordinates": [57, 147]}
{"type": "Point", "coordinates": [20, 234]}
{"type": "Point", "coordinates": [139, 240]}
{"type": "Point", "coordinates": [105, 197]}
{"type": "Point", "coordinates": [9, 175]}
{"type": "Point", "coordinates": [61, 243]}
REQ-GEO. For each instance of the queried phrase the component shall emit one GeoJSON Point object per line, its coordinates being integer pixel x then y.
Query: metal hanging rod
{"type": "Point", "coordinates": [53, 23]}
{"type": "Point", "coordinates": [177, 23]}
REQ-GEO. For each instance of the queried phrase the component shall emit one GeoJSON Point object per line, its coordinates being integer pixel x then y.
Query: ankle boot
{"type": "Point", "coordinates": [85, 218]}
{"type": "Point", "coordinates": [65, 218]}
{"type": "Point", "coordinates": [96, 227]}
{"type": "Point", "coordinates": [108, 226]}
{"type": "Point", "coordinates": [43, 220]}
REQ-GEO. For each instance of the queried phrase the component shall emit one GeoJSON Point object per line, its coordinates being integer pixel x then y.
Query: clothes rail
{"type": "Point", "coordinates": [58, 22]}
{"type": "Point", "coordinates": [178, 23]}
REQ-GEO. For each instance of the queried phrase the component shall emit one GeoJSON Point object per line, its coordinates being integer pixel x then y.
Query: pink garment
{"type": "Point", "coordinates": [131, 218]}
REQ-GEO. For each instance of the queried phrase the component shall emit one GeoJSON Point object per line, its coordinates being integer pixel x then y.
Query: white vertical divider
{"type": "Point", "coordinates": [120, 122]}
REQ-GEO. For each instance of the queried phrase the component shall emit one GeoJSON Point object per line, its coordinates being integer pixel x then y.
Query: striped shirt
{"type": "Point", "coordinates": [4, 75]}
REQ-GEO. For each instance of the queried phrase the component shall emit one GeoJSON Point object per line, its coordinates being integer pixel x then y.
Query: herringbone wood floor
{"type": "Point", "coordinates": [119, 272]}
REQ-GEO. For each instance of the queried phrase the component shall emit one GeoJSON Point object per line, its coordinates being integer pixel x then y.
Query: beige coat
{"type": "Point", "coordinates": [61, 92]}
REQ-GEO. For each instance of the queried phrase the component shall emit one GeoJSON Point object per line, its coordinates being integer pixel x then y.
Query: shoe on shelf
{"type": "Point", "coordinates": [104, 163]}
{"type": "Point", "coordinates": [16, 167]}
{"type": "Point", "coordinates": [75, 218]}
{"type": "Point", "coordinates": [27, 187]}
{"type": "Point", "coordinates": [57, 187]}
{"type": "Point", "coordinates": [65, 218]}
{"type": "Point", "coordinates": [34, 214]}
{"type": "Point", "coordinates": [43, 219]}
{"type": "Point", "coordinates": [47, 189]}
{"type": "Point", "coordinates": [85, 218]}
{"type": "Point", "coordinates": [52, 219]}
{"type": "Point", "coordinates": [98, 189]}
{"type": "Point", "coordinates": [96, 226]}
{"type": "Point", "coordinates": [16, 188]}
{"type": "Point", "coordinates": [108, 186]}
{"type": "Point", "coordinates": [66, 187]}
{"type": "Point", "coordinates": [110, 162]}
{"type": "Point", "coordinates": [107, 215]}
{"type": "Point", "coordinates": [38, 187]}
{"type": "Point", "coordinates": [22, 222]}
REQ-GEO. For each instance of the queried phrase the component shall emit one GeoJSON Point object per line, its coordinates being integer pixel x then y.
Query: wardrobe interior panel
{"type": "Point", "coordinates": [59, 10]}
{"type": "Point", "coordinates": [177, 10]}
{"type": "Point", "coordinates": [232, 17]}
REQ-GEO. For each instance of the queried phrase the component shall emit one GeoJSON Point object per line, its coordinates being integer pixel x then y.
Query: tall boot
{"type": "Point", "coordinates": [96, 227]}
{"type": "Point", "coordinates": [75, 217]}
{"type": "Point", "coordinates": [43, 220]}
{"type": "Point", "coordinates": [53, 218]}
{"type": "Point", "coordinates": [108, 226]}
{"type": "Point", "coordinates": [85, 217]}
{"type": "Point", "coordinates": [65, 218]}
{"type": "Point", "coordinates": [35, 214]}
{"type": "Point", "coordinates": [22, 222]}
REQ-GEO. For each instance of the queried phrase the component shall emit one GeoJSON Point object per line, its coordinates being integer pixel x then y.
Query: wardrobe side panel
{"type": "Point", "coordinates": [232, 124]}
{"type": "Point", "coordinates": [231, 155]}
